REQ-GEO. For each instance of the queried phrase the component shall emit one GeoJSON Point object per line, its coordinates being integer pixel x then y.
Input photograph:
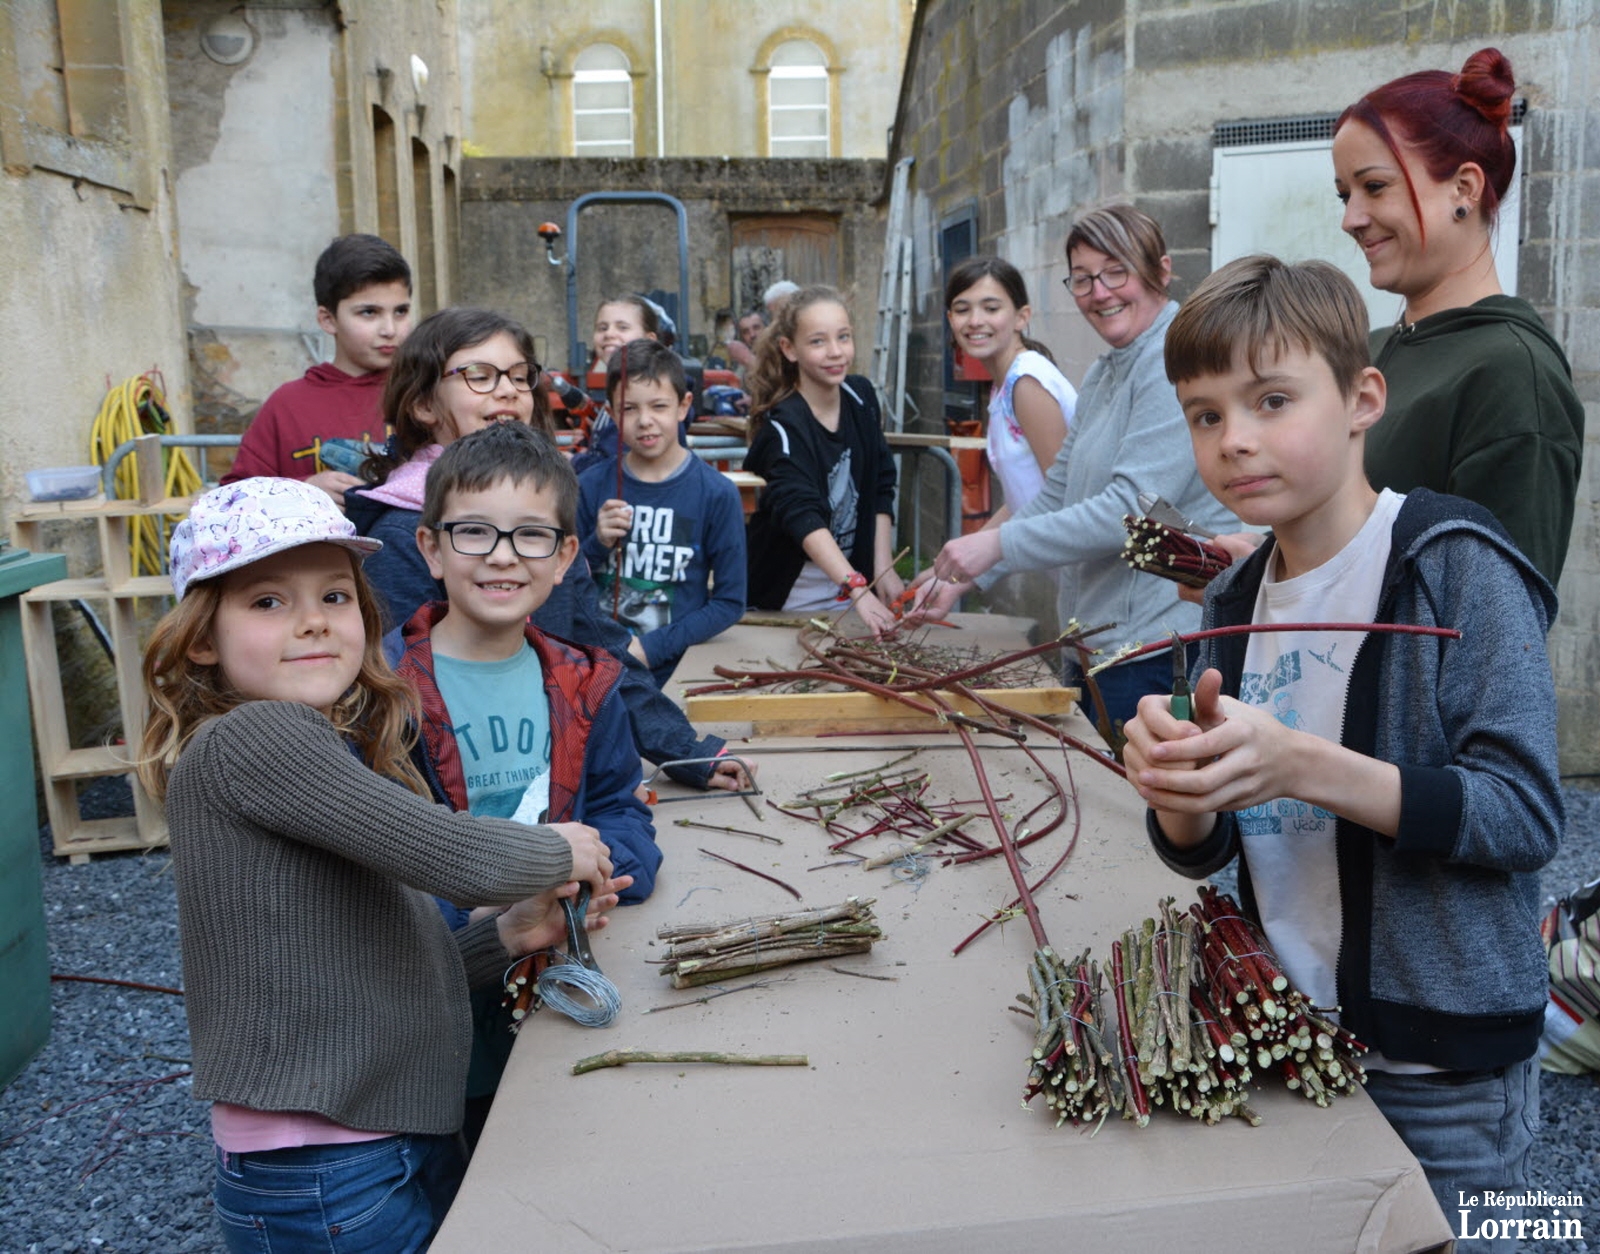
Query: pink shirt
{"type": "Point", "coordinates": [240, 1130]}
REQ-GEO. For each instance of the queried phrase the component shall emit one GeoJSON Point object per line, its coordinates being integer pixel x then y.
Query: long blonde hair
{"type": "Point", "coordinates": [774, 378]}
{"type": "Point", "coordinates": [378, 714]}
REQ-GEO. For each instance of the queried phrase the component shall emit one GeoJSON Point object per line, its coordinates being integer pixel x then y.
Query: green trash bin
{"type": "Point", "coordinates": [24, 950]}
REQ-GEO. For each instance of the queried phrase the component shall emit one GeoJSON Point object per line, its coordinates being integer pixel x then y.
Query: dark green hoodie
{"type": "Point", "coordinates": [1481, 405]}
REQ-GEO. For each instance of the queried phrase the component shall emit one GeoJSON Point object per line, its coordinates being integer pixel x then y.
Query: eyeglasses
{"type": "Point", "coordinates": [1111, 278]}
{"type": "Point", "coordinates": [480, 376]}
{"type": "Point", "coordinates": [477, 539]}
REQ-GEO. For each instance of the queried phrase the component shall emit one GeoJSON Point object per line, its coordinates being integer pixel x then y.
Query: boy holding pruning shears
{"type": "Point", "coordinates": [1391, 808]}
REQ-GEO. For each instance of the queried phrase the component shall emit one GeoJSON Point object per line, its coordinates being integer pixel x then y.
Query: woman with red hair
{"type": "Point", "coordinates": [1481, 402]}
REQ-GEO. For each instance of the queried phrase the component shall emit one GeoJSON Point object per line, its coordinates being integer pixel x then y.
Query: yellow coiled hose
{"type": "Point", "coordinates": [135, 407]}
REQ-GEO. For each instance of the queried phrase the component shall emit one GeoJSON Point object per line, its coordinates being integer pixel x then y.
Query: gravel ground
{"type": "Point", "coordinates": [103, 1149]}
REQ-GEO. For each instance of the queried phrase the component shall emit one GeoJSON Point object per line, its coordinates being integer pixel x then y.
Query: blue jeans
{"type": "Point", "coordinates": [1122, 685]}
{"type": "Point", "coordinates": [1473, 1136]}
{"type": "Point", "coordinates": [370, 1197]}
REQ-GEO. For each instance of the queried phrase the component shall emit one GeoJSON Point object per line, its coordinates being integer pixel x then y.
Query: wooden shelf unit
{"type": "Point", "coordinates": [62, 767]}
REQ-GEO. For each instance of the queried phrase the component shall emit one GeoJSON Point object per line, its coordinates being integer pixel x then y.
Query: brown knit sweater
{"type": "Point", "coordinates": [319, 975]}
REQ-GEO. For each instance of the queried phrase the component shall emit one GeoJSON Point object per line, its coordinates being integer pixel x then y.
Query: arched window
{"type": "Point", "coordinates": [602, 103]}
{"type": "Point", "coordinates": [797, 101]}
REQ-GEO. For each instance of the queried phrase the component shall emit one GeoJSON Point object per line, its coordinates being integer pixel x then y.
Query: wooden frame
{"type": "Point", "coordinates": [812, 713]}
{"type": "Point", "coordinates": [61, 766]}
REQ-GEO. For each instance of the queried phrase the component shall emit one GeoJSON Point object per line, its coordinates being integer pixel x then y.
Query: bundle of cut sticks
{"type": "Point", "coordinates": [1202, 1008]}
{"type": "Point", "coordinates": [703, 953]}
{"type": "Point", "coordinates": [1157, 549]}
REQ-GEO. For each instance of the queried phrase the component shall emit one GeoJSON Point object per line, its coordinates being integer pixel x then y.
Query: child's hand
{"type": "Point", "coordinates": [613, 522]}
{"type": "Point", "coordinates": [539, 922]}
{"type": "Point", "coordinates": [591, 859]}
{"type": "Point", "coordinates": [889, 586]}
{"type": "Point", "coordinates": [875, 614]}
{"type": "Point", "coordinates": [1153, 728]}
{"type": "Point", "coordinates": [1233, 755]}
{"type": "Point", "coordinates": [334, 483]}
{"type": "Point", "coordinates": [730, 776]}
{"type": "Point", "coordinates": [1238, 545]}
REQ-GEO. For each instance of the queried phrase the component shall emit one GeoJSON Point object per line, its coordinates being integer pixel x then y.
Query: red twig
{"type": "Point", "coordinates": [622, 544]}
{"type": "Point", "coordinates": [1247, 629]}
{"type": "Point", "coordinates": [105, 979]}
{"type": "Point", "coordinates": [1077, 828]}
{"type": "Point", "coordinates": [773, 879]}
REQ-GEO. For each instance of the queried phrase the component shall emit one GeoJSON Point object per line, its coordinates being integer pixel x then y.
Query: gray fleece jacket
{"type": "Point", "coordinates": [1128, 436]}
{"type": "Point", "coordinates": [1439, 959]}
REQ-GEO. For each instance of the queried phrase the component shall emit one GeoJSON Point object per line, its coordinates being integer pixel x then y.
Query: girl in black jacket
{"type": "Point", "coordinates": [823, 531]}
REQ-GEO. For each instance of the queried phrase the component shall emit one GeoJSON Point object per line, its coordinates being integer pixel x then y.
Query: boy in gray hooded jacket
{"type": "Point", "coordinates": [1392, 794]}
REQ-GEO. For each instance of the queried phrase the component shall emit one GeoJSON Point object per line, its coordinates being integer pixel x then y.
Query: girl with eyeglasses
{"type": "Point", "coordinates": [1128, 436]}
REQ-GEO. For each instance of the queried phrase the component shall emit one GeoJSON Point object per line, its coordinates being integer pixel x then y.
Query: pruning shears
{"type": "Point", "coordinates": [906, 600]}
{"type": "Point", "coordinates": [1159, 509]}
{"type": "Point", "coordinates": [1182, 701]}
{"type": "Point", "coordinates": [576, 908]}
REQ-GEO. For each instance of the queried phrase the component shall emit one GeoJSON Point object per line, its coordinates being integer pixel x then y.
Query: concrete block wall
{"type": "Point", "coordinates": [634, 247]}
{"type": "Point", "coordinates": [1080, 101]}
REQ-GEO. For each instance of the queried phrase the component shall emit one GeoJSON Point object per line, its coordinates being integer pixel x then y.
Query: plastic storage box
{"type": "Point", "coordinates": [64, 483]}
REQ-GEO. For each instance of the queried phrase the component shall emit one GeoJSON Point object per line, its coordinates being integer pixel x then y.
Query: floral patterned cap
{"type": "Point", "coordinates": [243, 522]}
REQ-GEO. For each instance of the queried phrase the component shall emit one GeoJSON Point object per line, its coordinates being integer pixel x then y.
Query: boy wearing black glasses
{"type": "Point", "coordinates": [515, 723]}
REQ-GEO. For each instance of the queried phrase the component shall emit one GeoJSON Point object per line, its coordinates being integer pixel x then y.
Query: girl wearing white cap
{"type": "Point", "coordinates": [327, 1000]}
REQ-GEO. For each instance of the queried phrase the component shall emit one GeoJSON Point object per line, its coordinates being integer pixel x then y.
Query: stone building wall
{"type": "Point", "coordinates": [708, 98]}
{"type": "Point", "coordinates": [344, 117]}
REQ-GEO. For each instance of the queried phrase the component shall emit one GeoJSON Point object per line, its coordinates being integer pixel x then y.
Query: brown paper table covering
{"type": "Point", "coordinates": [905, 1132]}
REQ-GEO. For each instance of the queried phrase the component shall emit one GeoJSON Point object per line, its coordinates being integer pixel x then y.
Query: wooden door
{"type": "Point", "coordinates": [802, 247]}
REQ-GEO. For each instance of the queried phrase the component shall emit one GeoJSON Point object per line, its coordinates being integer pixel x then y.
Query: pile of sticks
{"type": "Point", "coordinates": [1202, 1010]}
{"type": "Point", "coordinates": [704, 953]}
{"type": "Point", "coordinates": [1074, 1066]}
{"type": "Point", "coordinates": [1173, 1049]}
{"type": "Point", "coordinates": [1275, 1023]}
{"type": "Point", "coordinates": [1157, 549]}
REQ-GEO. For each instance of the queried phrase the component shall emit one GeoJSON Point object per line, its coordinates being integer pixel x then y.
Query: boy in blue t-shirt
{"type": "Point", "coordinates": [515, 723]}
{"type": "Point", "coordinates": [1391, 796]}
{"type": "Point", "coordinates": [677, 529]}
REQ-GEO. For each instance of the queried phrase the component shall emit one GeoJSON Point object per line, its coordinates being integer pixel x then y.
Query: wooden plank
{"type": "Point", "coordinates": [67, 590]}
{"type": "Point", "coordinates": [107, 836]}
{"type": "Point", "coordinates": [809, 713]}
{"type": "Point", "coordinates": [91, 763]}
{"type": "Point", "coordinates": [151, 468]}
{"type": "Point", "coordinates": [94, 586]}
{"type": "Point", "coordinates": [65, 511]}
{"type": "Point", "coordinates": [928, 439]}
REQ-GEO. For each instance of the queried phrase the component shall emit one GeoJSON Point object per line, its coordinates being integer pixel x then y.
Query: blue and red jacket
{"type": "Point", "coordinates": [594, 763]}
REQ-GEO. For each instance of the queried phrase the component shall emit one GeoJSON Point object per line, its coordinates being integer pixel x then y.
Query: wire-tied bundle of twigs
{"type": "Point", "coordinates": [703, 953]}
{"type": "Point", "coordinates": [1074, 1067]}
{"type": "Point", "coordinates": [1202, 1009]}
{"type": "Point", "coordinates": [1157, 549]}
{"type": "Point", "coordinates": [1280, 1027]}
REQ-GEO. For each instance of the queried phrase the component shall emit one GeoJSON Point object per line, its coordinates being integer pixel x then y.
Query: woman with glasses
{"type": "Point", "coordinates": [462, 370]}
{"type": "Point", "coordinates": [1128, 436]}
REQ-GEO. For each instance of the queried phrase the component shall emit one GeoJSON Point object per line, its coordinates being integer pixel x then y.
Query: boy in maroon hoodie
{"type": "Point", "coordinates": [363, 290]}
